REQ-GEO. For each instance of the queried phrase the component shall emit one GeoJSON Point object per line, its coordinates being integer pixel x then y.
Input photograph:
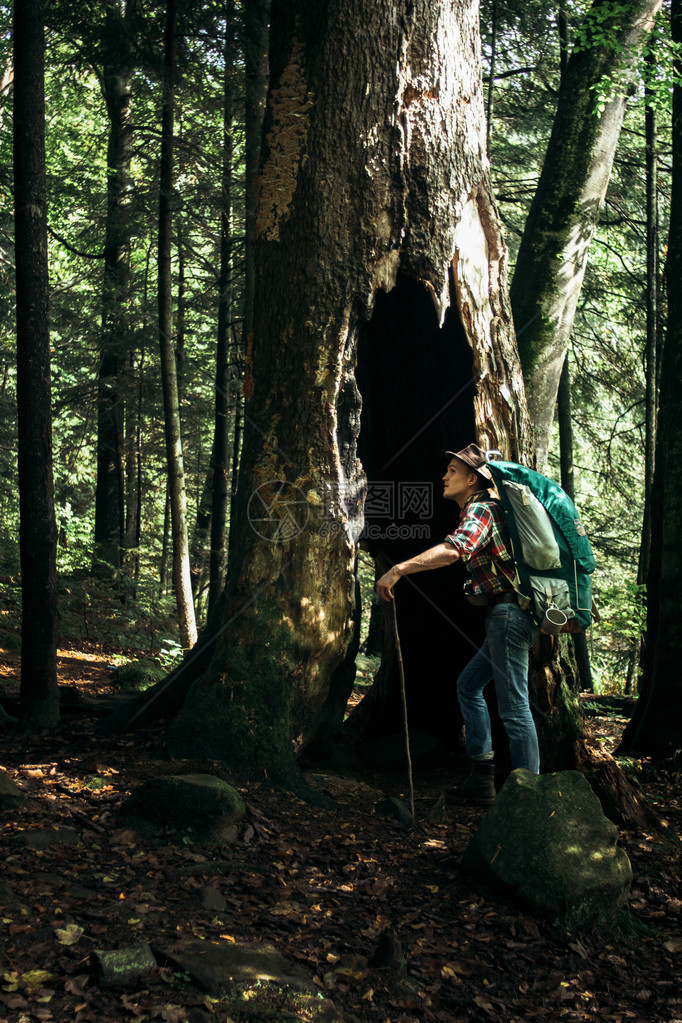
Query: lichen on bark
{"type": "Point", "coordinates": [284, 146]}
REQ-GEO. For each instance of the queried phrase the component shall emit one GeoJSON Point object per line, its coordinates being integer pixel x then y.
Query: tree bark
{"type": "Point", "coordinates": [491, 77]}
{"type": "Point", "coordinates": [255, 22]}
{"type": "Point", "coordinates": [374, 195]}
{"type": "Point", "coordinates": [565, 209]}
{"type": "Point", "coordinates": [176, 474]}
{"type": "Point", "coordinates": [650, 361]}
{"type": "Point", "coordinates": [110, 485]}
{"type": "Point", "coordinates": [656, 726]}
{"type": "Point", "coordinates": [565, 413]}
{"type": "Point", "coordinates": [220, 455]}
{"type": "Point", "coordinates": [39, 694]}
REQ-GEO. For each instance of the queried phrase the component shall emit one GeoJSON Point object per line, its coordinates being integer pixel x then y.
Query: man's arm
{"type": "Point", "coordinates": [435, 557]}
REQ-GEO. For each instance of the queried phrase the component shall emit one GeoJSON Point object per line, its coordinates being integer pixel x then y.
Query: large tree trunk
{"type": "Point", "coordinates": [374, 198]}
{"type": "Point", "coordinates": [565, 209]}
{"type": "Point", "coordinates": [38, 529]}
{"type": "Point", "coordinates": [169, 375]}
{"type": "Point", "coordinates": [656, 726]}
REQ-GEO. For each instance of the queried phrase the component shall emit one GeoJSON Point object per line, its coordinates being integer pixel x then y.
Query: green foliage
{"type": "Point", "coordinates": [137, 676]}
{"type": "Point", "coordinates": [623, 611]}
{"type": "Point", "coordinates": [602, 26]}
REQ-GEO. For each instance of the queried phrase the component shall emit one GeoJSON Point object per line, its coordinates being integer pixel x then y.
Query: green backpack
{"type": "Point", "coordinates": [552, 554]}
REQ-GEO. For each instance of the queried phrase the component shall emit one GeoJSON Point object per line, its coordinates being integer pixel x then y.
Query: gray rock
{"type": "Point", "coordinates": [45, 838]}
{"type": "Point", "coordinates": [11, 795]}
{"type": "Point", "coordinates": [224, 969]}
{"type": "Point", "coordinates": [547, 842]}
{"type": "Point", "coordinates": [219, 966]}
{"type": "Point", "coordinates": [199, 801]}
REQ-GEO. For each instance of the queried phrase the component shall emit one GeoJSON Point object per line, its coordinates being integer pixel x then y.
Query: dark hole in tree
{"type": "Point", "coordinates": [417, 386]}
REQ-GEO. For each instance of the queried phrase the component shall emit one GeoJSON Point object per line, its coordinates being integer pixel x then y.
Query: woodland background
{"type": "Point", "coordinates": [151, 254]}
{"type": "Point", "coordinates": [607, 358]}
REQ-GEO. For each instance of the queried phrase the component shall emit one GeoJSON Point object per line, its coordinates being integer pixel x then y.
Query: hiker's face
{"type": "Point", "coordinates": [459, 482]}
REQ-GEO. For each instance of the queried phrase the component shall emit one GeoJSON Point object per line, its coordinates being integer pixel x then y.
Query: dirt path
{"type": "Point", "coordinates": [320, 885]}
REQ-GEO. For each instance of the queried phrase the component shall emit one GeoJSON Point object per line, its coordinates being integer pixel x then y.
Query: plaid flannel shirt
{"type": "Point", "coordinates": [483, 542]}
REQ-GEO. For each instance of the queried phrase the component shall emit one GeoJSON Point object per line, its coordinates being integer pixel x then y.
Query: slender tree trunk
{"type": "Point", "coordinates": [221, 443]}
{"type": "Point", "coordinates": [176, 474]}
{"type": "Point", "coordinates": [562, 25]}
{"type": "Point", "coordinates": [491, 77]}
{"type": "Point", "coordinates": [132, 462]}
{"type": "Point", "coordinates": [565, 209]}
{"type": "Point", "coordinates": [565, 414]}
{"type": "Point", "coordinates": [656, 726]}
{"type": "Point", "coordinates": [255, 24]}
{"type": "Point", "coordinates": [181, 314]}
{"type": "Point", "coordinates": [200, 563]}
{"type": "Point", "coordinates": [650, 359]}
{"type": "Point", "coordinates": [110, 490]}
{"type": "Point", "coordinates": [255, 43]}
{"type": "Point", "coordinates": [138, 481]}
{"type": "Point", "coordinates": [39, 695]}
{"type": "Point", "coordinates": [165, 544]}
{"type": "Point", "coordinates": [349, 183]}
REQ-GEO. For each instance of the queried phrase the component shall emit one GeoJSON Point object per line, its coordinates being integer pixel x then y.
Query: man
{"type": "Point", "coordinates": [481, 541]}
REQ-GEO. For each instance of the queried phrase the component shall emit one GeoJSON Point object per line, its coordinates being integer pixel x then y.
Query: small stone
{"type": "Point", "coordinates": [212, 900]}
{"type": "Point", "coordinates": [394, 807]}
{"type": "Point", "coordinates": [226, 834]}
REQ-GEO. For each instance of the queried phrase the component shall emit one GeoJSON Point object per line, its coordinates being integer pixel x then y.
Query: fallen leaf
{"type": "Point", "coordinates": [76, 985]}
{"type": "Point", "coordinates": [34, 980]}
{"type": "Point", "coordinates": [69, 935]}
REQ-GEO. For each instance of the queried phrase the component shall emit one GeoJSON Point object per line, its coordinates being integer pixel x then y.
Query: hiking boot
{"type": "Point", "coordinates": [478, 788]}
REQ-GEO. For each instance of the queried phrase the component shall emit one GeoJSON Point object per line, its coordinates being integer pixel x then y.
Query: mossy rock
{"type": "Point", "coordinates": [546, 842]}
{"type": "Point", "coordinates": [138, 675]}
{"type": "Point", "coordinates": [200, 802]}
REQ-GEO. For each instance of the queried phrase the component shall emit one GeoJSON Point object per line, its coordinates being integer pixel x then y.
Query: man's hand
{"type": "Point", "coordinates": [387, 582]}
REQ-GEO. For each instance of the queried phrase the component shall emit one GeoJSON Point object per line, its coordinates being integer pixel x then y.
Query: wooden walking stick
{"type": "Point", "coordinates": [403, 695]}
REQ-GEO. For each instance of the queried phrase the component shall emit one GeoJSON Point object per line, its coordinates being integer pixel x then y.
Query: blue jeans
{"type": "Point", "coordinates": [510, 634]}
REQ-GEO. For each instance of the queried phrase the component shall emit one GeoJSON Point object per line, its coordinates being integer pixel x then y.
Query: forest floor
{"type": "Point", "coordinates": [321, 885]}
